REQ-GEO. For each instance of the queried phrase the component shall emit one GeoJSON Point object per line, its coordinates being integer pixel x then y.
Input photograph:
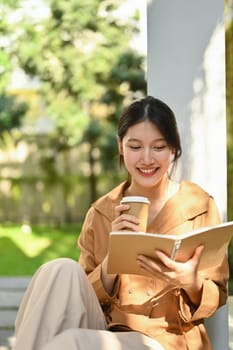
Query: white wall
{"type": "Point", "coordinates": [186, 69]}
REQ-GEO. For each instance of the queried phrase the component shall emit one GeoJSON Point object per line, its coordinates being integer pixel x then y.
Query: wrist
{"type": "Point", "coordinates": [194, 292]}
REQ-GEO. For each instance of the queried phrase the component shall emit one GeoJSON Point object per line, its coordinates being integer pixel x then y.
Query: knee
{"type": "Point", "coordinates": [62, 262]}
{"type": "Point", "coordinates": [62, 265]}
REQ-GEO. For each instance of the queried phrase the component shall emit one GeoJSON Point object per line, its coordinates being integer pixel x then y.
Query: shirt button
{"type": "Point", "coordinates": [131, 290]}
{"type": "Point", "coordinates": [149, 292]}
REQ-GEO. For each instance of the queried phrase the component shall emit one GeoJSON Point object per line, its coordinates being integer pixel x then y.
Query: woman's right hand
{"type": "Point", "coordinates": [124, 221]}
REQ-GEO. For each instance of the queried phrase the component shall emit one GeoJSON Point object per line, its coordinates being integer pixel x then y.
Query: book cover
{"type": "Point", "coordinates": [124, 246]}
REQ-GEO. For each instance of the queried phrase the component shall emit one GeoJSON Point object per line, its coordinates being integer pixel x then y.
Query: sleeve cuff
{"type": "Point", "coordinates": [95, 279]}
{"type": "Point", "coordinates": [208, 305]}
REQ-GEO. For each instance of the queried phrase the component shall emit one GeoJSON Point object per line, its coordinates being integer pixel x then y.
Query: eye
{"type": "Point", "coordinates": [159, 148]}
{"type": "Point", "coordinates": [135, 147]}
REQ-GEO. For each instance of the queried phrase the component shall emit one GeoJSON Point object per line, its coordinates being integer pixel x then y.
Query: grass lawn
{"type": "Point", "coordinates": [24, 248]}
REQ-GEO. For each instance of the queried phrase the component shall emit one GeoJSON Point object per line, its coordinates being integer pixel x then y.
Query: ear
{"type": "Point", "coordinates": [172, 154]}
{"type": "Point", "coordinates": [120, 148]}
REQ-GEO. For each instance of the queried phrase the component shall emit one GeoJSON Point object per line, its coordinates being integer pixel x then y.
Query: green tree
{"type": "Point", "coordinates": [125, 81]}
{"type": "Point", "coordinates": [80, 52]}
{"type": "Point", "coordinates": [5, 33]}
{"type": "Point", "coordinates": [11, 110]}
{"type": "Point", "coordinates": [11, 114]}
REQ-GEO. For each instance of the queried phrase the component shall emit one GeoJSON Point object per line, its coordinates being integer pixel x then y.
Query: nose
{"type": "Point", "coordinates": [147, 156]}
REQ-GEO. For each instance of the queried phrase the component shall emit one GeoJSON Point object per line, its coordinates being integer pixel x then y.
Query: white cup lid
{"type": "Point", "coordinates": [139, 199]}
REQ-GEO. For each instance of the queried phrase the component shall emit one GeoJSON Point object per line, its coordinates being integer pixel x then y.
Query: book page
{"type": "Point", "coordinates": [215, 241]}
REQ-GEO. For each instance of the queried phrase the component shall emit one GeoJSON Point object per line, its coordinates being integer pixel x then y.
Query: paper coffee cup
{"type": "Point", "coordinates": [139, 207]}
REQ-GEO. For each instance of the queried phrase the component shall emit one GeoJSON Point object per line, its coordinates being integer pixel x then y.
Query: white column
{"type": "Point", "coordinates": [186, 69]}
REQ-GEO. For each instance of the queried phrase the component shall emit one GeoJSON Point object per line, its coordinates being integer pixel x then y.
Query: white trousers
{"type": "Point", "coordinates": [60, 311]}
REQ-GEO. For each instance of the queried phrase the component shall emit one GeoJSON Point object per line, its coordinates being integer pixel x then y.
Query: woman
{"type": "Point", "coordinates": [164, 311]}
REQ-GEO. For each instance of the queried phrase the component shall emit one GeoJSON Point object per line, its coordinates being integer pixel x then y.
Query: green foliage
{"type": "Point", "coordinates": [80, 51]}
{"type": "Point", "coordinates": [72, 48]}
{"type": "Point", "coordinates": [23, 248]}
{"type": "Point", "coordinates": [9, 3]}
{"type": "Point", "coordinates": [5, 34]}
{"type": "Point", "coordinates": [5, 69]}
{"type": "Point", "coordinates": [11, 113]}
{"type": "Point", "coordinates": [126, 79]}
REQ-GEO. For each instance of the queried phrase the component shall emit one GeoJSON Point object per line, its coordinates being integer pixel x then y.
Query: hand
{"type": "Point", "coordinates": [124, 221]}
{"type": "Point", "coordinates": [176, 274]}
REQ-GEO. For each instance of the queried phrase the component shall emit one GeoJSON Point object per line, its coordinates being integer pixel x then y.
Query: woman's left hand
{"type": "Point", "coordinates": [176, 274]}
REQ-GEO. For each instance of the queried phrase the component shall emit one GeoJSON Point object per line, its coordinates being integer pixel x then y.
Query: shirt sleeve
{"type": "Point", "coordinates": [214, 295]}
{"type": "Point", "coordinates": [214, 291]}
{"type": "Point", "coordinates": [93, 251]}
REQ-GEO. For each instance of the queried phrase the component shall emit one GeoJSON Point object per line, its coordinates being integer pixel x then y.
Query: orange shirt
{"type": "Point", "coordinates": [145, 304]}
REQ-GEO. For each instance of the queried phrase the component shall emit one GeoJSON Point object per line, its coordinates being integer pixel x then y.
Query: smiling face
{"type": "Point", "coordinates": [147, 156]}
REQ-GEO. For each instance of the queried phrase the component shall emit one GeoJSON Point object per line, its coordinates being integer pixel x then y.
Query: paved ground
{"type": "Point", "coordinates": [11, 292]}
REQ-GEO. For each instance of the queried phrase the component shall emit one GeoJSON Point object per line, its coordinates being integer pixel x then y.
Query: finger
{"type": "Point", "coordinates": [124, 218]}
{"type": "Point", "coordinates": [165, 260]}
{"type": "Point", "coordinates": [121, 208]}
{"type": "Point", "coordinates": [197, 254]}
{"type": "Point", "coordinates": [145, 264]}
{"type": "Point", "coordinates": [131, 218]}
{"type": "Point", "coordinates": [150, 263]}
{"type": "Point", "coordinates": [125, 223]}
{"type": "Point", "coordinates": [153, 267]}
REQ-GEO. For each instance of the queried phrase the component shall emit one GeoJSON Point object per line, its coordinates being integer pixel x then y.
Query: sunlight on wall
{"type": "Point", "coordinates": [207, 122]}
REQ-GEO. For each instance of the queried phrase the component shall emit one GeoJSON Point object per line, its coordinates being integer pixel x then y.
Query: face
{"type": "Point", "coordinates": [146, 154]}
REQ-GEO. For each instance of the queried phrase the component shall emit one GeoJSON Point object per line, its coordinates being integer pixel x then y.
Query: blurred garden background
{"type": "Point", "coordinates": [67, 69]}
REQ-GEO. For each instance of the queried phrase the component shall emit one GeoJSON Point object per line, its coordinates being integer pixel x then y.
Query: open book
{"type": "Point", "coordinates": [124, 246]}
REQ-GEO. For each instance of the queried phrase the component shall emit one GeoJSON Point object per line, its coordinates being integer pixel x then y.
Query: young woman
{"type": "Point", "coordinates": [67, 308]}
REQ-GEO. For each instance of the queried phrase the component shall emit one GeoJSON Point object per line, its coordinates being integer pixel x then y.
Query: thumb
{"type": "Point", "coordinates": [197, 254]}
